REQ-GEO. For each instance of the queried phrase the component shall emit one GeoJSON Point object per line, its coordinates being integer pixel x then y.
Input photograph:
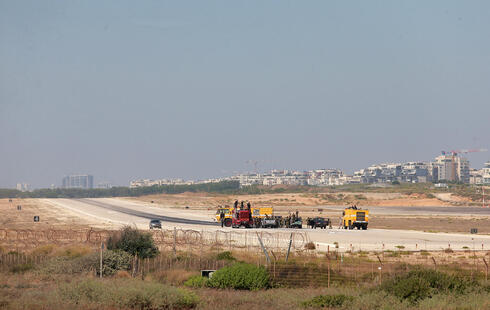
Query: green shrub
{"type": "Point", "coordinates": [196, 282]}
{"type": "Point", "coordinates": [66, 265]}
{"type": "Point", "coordinates": [241, 276]}
{"type": "Point", "coordinates": [330, 301]}
{"type": "Point", "coordinates": [125, 294]}
{"type": "Point", "coordinates": [114, 261]}
{"type": "Point", "coordinates": [226, 255]}
{"type": "Point", "coordinates": [21, 268]}
{"type": "Point", "coordinates": [423, 283]}
{"type": "Point", "coordinates": [133, 241]}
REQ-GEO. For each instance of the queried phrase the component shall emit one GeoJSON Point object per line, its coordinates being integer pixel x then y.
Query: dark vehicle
{"type": "Point", "coordinates": [155, 224]}
{"type": "Point", "coordinates": [319, 222]}
{"type": "Point", "coordinates": [297, 224]}
{"type": "Point", "coordinates": [269, 223]}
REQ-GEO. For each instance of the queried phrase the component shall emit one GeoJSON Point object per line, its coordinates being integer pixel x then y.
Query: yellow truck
{"type": "Point", "coordinates": [256, 214]}
{"type": "Point", "coordinates": [353, 217]}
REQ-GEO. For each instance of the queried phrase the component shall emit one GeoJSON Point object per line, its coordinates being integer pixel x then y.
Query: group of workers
{"type": "Point", "coordinates": [290, 219]}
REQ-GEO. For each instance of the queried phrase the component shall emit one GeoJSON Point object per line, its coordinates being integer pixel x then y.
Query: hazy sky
{"type": "Point", "coordinates": [193, 89]}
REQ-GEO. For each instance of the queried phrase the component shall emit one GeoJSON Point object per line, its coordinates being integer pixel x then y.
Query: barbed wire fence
{"type": "Point", "coordinates": [170, 239]}
{"type": "Point", "coordinates": [190, 249]}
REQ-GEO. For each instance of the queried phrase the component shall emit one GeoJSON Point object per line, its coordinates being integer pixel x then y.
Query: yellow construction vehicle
{"type": "Point", "coordinates": [257, 213]}
{"type": "Point", "coordinates": [354, 217]}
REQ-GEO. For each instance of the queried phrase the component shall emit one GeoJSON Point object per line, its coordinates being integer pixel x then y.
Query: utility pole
{"type": "Point", "coordinates": [101, 249]}
{"type": "Point", "coordinates": [483, 196]}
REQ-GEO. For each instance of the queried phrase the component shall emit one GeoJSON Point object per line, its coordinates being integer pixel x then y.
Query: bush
{"type": "Point", "coordinates": [310, 246]}
{"type": "Point", "coordinates": [73, 251]}
{"type": "Point", "coordinates": [197, 282]}
{"type": "Point", "coordinates": [134, 242]}
{"type": "Point", "coordinates": [125, 294]}
{"type": "Point", "coordinates": [113, 261]}
{"type": "Point", "coordinates": [241, 276]}
{"type": "Point", "coordinates": [423, 283]}
{"type": "Point", "coordinates": [21, 268]}
{"type": "Point", "coordinates": [226, 255]}
{"type": "Point", "coordinates": [330, 301]}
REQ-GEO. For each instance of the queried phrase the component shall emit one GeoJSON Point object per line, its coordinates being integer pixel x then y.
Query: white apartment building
{"type": "Point", "coordinates": [486, 173]}
{"type": "Point", "coordinates": [452, 168]}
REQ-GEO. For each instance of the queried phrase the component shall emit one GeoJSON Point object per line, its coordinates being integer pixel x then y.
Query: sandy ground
{"type": "Point", "coordinates": [372, 239]}
{"type": "Point", "coordinates": [50, 216]}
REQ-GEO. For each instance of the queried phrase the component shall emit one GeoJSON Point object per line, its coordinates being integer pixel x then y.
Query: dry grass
{"type": "Point", "coordinates": [174, 276]}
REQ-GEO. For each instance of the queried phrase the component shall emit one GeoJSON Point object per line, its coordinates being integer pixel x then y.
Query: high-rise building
{"type": "Point", "coordinates": [78, 181]}
{"type": "Point", "coordinates": [23, 187]}
{"type": "Point", "coordinates": [452, 168]}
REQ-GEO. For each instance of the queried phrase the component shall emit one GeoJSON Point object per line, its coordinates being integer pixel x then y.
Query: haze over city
{"type": "Point", "coordinates": [194, 90]}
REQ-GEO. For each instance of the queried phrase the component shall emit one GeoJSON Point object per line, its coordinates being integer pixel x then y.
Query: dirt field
{"type": "Point", "coordinates": [24, 218]}
{"type": "Point", "coordinates": [305, 199]}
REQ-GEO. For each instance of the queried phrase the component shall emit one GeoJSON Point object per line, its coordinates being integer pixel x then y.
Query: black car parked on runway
{"type": "Point", "coordinates": [155, 224]}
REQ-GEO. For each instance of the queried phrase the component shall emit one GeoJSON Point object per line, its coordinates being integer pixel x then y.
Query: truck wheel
{"type": "Point", "coordinates": [364, 226]}
{"type": "Point", "coordinates": [227, 222]}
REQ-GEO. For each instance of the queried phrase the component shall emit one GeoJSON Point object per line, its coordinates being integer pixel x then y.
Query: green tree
{"type": "Point", "coordinates": [133, 242]}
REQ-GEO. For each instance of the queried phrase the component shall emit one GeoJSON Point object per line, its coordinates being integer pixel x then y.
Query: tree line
{"type": "Point", "coordinates": [121, 191]}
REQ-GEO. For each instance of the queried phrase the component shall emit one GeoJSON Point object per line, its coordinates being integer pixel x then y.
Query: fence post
{"type": "Point", "coordinates": [289, 247]}
{"type": "Point", "coordinates": [101, 248]}
{"type": "Point", "coordinates": [328, 272]}
{"type": "Point", "coordinates": [435, 264]}
{"type": "Point", "coordinates": [175, 242]}
{"type": "Point", "coordinates": [264, 250]}
{"type": "Point", "coordinates": [486, 269]}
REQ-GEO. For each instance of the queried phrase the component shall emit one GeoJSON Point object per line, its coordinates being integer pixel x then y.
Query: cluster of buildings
{"type": "Point", "coordinates": [23, 187]}
{"type": "Point", "coordinates": [83, 181]}
{"type": "Point", "coordinates": [481, 176]}
{"type": "Point", "coordinates": [148, 182]}
{"type": "Point", "coordinates": [290, 177]}
{"type": "Point", "coordinates": [444, 168]}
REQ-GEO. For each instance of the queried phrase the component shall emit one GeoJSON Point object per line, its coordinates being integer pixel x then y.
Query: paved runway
{"type": "Point", "coordinates": [118, 212]}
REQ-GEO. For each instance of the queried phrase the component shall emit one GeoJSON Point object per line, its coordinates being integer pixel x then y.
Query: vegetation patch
{"type": "Point", "coordinates": [134, 242]}
{"type": "Point", "coordinates": [241, 276]}
{"type": "Point", "coordinates": [420, 284]}
{"type": "Point", "coordinates": [226, 255]}
{"type": "Point", "coordinates": [328, 301]}
{"type": "Point", "coordinates": [126, 294]}
{"type": "Point", "coordinates": [21, 268]}
{"type": "Point", "coordinates": [197, 282]}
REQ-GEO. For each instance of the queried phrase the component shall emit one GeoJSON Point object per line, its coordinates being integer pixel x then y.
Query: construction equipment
{"type": "Point", "coordinates": [242, 217]}
{"type": "Point", "coordinates": [353, 217]}
{"type": "Point", "coordinates": [258, 214]}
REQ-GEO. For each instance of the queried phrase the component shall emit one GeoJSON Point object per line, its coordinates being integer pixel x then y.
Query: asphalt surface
{"type": "Point", "coordinates": [114, 213]}
{"type": "Point", "coordinates": [429, 210]}
{"type": "Point", "coordinates": [145, 215]}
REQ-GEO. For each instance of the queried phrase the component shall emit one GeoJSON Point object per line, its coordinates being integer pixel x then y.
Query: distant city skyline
{"type": "Point", "coordinates": [124, 90]}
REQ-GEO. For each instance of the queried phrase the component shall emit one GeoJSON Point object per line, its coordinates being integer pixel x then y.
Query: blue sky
{"type": "Point", "coordinates": [194, 89]}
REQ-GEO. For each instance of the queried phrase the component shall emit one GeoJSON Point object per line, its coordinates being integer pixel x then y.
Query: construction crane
{"type": "Point", "coordinates": [455, 153]}
{"type": "Point", "coordinates": [255, 163]}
